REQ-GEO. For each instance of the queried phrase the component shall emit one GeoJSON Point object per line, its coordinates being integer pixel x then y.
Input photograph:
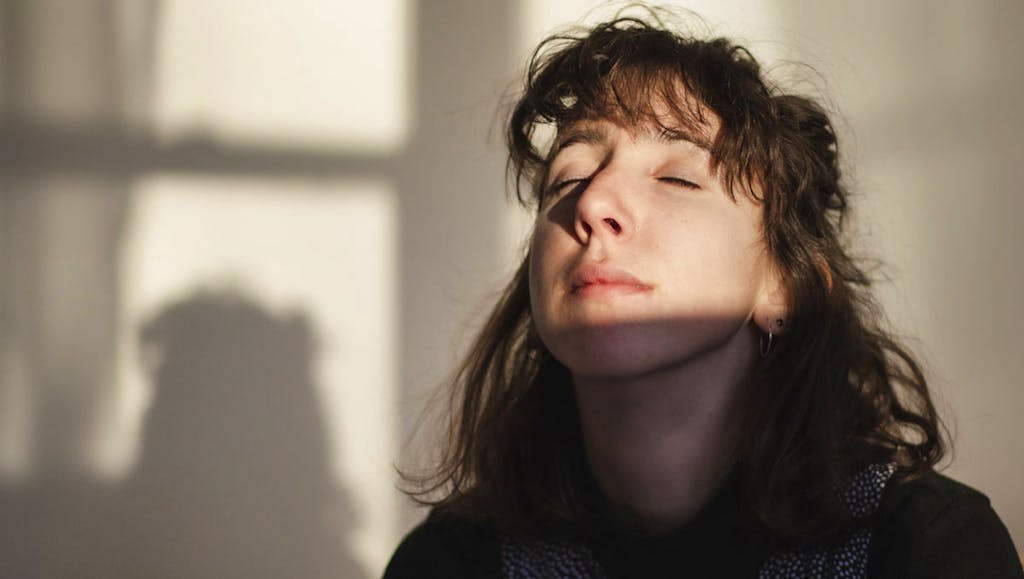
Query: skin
{"type": "Point", "coordinates": [648, 281]}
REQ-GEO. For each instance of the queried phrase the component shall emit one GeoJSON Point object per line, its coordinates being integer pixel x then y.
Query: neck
{"type": "Point", "coordinates": [659, 445]}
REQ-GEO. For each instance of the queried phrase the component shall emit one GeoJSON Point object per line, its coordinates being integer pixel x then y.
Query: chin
{"type": "Point", "coordinates": [614, 355]}
{"type": "Point", "coordinates": [631, 351]}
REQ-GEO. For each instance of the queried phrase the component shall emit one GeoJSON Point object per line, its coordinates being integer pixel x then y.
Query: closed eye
{"type": "Point", "coordinates": [560, 185]}
{"type": "Point", "coordinates": [680, 182]}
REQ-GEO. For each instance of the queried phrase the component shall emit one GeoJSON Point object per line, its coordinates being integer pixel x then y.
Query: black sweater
{"type": "Point", "coordinates": [930, 527]}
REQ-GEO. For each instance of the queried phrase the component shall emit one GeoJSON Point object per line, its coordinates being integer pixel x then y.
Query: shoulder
{"type": "Point", "coordinates": [446, 546]}
{"type": "Point", "coordinates": [934, 526]}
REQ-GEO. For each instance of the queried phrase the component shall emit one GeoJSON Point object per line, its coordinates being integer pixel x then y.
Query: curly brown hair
{"type": "Point", "coordinates": [836, 394]}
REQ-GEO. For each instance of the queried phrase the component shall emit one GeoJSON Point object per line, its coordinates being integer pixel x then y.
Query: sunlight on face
{"type": "Point", "coordinates": [641, 259]}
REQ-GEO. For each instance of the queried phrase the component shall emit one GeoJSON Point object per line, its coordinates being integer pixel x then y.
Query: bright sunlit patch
{"type": "Point", "coordinates": [325, 250]}
{"type": "Point", "coordinates": [303, 72]}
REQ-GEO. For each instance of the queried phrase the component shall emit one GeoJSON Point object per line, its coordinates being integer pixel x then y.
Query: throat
{"type": "Point", "coordinates": [661, 444]}
{"type": "Point", "coordinates": [657, 487]}
{"type": "Point", "coordinates": [659, 452]}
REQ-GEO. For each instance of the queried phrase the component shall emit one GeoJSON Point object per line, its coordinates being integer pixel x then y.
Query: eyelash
{"type": "Point", "coordinates": [565, 183]}
{"type": "Point", "coordinates": [560, 185]}
{"type": "Point", "coordinates": [679, 181]}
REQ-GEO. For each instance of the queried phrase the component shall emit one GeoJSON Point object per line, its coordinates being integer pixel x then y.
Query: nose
{"type": "Point", "coordinates": [603, 209]}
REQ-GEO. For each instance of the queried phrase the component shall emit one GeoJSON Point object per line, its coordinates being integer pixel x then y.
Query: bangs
{"type": "Point", "coordinates": [637, 96]}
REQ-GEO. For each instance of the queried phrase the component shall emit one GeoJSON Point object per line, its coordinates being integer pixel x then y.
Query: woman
{"type": "Point", "coordinates": [687, 375]}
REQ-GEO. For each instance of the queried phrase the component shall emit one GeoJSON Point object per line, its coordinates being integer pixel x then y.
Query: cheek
{"type": "Point", "coordinates": [716, 260]}
{"type": "Point", "coordinates": [534, 284]}
{"type": "Point", "coordinates": [539, 253]}
{"type": "Point", "coordinates": [544, 249]}
{"type": "Point", "coordinates": [548, 257]}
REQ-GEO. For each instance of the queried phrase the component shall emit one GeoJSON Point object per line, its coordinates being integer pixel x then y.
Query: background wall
{"type": "Point", "coordinates": [241, 243]}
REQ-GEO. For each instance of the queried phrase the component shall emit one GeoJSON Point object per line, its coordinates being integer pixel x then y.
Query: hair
{"type": "Point", "coordinates": [836, 394]}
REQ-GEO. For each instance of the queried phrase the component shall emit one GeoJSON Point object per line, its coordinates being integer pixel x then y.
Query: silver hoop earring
{"type": "Point", "coordinates": [765, 349]}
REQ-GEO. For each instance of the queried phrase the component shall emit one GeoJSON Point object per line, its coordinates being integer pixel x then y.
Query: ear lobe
{"type": "Point", "coordinates": [774, 324]}
{"type": "Point", "coordinates": [772, 311]}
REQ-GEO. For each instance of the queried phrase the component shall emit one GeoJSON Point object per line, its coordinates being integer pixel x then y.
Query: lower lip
{"type": "Point", "coordinates": [605, 290]}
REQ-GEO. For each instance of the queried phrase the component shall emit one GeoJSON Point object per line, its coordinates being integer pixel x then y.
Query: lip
{"type": "Point", "coordinates": [594, 278]}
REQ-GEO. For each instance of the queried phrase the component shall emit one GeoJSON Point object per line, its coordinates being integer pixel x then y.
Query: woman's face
{"type": "Point", "coordinates": [640, 258]}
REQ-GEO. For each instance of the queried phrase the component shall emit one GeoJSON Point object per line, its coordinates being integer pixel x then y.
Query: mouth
{"type": "Point", "coordinates": [589, 278]}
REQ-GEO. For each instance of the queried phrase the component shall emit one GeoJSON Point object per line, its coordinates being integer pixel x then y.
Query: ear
{"type": "Point", "coordinates": [771, 312]}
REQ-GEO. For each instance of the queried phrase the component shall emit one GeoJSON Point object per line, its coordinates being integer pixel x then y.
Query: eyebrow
{"type": "Point", "coordinates": [670, 135]}
{"type": "Point", "coordinates": [589, 134]}
{"type": "Point", "coordinates": [582, 135]}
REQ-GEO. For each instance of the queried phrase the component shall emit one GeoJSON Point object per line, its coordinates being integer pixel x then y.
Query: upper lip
{"type": "Point", "coordinates": [604, 274]}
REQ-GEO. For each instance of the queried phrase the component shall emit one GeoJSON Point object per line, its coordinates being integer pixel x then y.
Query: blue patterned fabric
{"type": "Point", "coordinates": [538, 560]}
{"type": "Point", "coordinates": [848, 559]}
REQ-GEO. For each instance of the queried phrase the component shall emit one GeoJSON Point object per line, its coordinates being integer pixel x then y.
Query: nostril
{"type": "Point", "coordinates": [586, 228]}
{"type": "Point", "coordinates": [613, 224]}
